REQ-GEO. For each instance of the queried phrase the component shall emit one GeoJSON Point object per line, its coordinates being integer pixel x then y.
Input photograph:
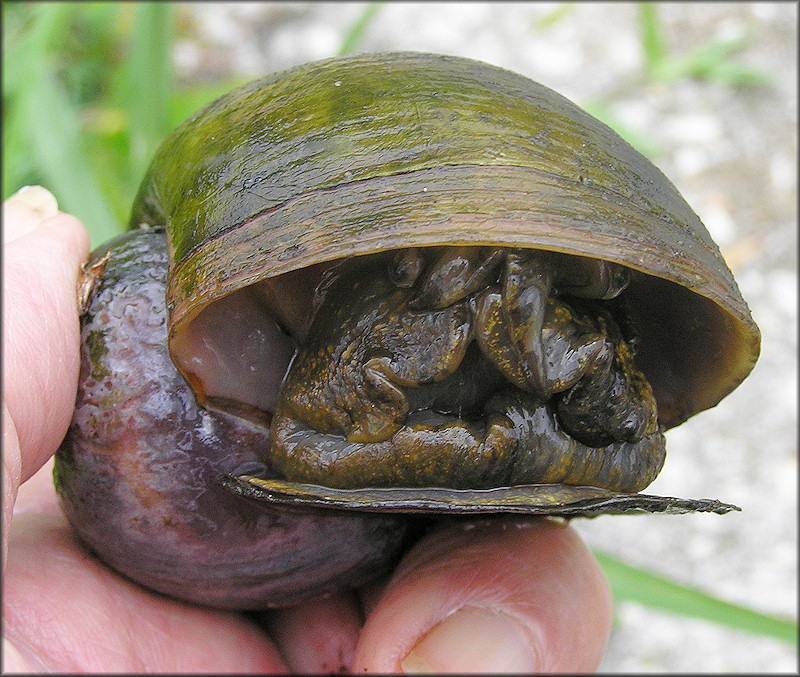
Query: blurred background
{"type": "Point", "coordinates": [707, 91]}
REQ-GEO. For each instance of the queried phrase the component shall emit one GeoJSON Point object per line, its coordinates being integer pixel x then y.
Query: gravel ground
{"type": "Point", "coordinates": [732, 152]}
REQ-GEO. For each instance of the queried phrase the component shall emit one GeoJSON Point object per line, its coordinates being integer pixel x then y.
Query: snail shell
{"type": "Point", "coordinates": [265, 189]}
{"type": "Point", "coordinates": [356, 155]}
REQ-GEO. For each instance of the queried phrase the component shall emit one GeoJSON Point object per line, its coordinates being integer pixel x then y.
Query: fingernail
{"type": "Point", "coordinates": [474, 640]}
{"type": "Point", "coordinates": [41, 200]}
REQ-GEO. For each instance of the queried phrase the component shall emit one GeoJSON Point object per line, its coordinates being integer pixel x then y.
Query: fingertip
{"type": "Point", "coordinates": [41, 331]}
{"type": "Point", "coordinates": [497, 596]}
{"type": "Point", "coordinates": [33, 207]}
{"type": "Point", "coordinates": [319, 636]}
{"type": "Point", "coordinates": [25, 210]}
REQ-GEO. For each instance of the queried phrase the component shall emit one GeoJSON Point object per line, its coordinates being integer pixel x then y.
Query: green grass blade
{"type": "Point", "coordinates": [19, 167]}
{"type": "Point", "coordinates": [713, 62]}
{"type": "Point", "coordinates": [554, 16]}
{"type": "Point", "coordinates": [149, 81]}
{"type": "Point", "coordinates": [26, 41]}
{"type": "Point", "coordinates": [45, 125]}
{"type": "Point", "coordinates": [56, 146]}
{"type": "Point", "coordinates": [637, 585]}
{"type": "Point", "coordinates": [356, 33]}
{"type": "Point", "coordinates": [650, 29]}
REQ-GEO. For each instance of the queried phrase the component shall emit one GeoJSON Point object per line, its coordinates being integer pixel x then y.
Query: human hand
{"type": "Point", "coordinates": [505, 594]}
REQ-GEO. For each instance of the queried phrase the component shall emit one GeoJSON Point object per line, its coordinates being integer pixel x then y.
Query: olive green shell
{"type": "Point", "coordinates": [361, 154]}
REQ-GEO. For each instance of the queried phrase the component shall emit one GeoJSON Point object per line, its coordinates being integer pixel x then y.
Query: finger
{"type": "Point", "coordinates": [502, 595]}
{"type": "Point", "coordinates": [25, 210]}
{"type": "Point", "coordinates": [41, 334]}
{"type": "Point", "coordinates": [317, 637]}
{"type": "Point", "coordinates": [40, 341]}
{"type": "Point", "coordinates": [11, 476]}
{"type": "Point", "coordinates": [64, 611]}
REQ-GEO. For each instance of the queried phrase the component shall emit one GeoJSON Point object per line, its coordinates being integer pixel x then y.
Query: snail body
{"type": "Point", "coordinates": [389, 385]}
{"type": "Point", "coordinates": [395, 283]}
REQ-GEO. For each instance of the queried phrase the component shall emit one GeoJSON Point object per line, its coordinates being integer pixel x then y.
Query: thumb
{"type": "Point", "coordinates": [494, 595]}
{"type": "Point", "coordinates": [42, 254]}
